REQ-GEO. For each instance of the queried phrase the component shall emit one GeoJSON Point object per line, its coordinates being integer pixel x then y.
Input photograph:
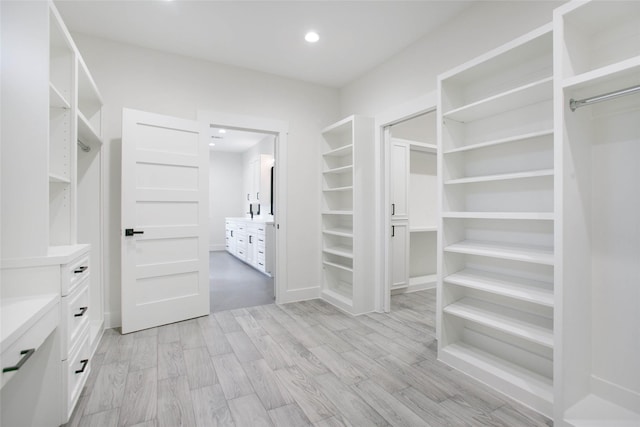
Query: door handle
{"type": "Point", "coordinates": [393, 208]}
{"type": "Point", "coordinates": [131, 232]}
{"type": "Point", "coordinates": [250, 239]}
{"type": "Point", "coordinates": [393, 231]}
{"type": "Point", "coordinates": [258, 195]}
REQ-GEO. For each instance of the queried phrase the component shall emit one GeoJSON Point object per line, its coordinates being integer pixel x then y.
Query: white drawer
{"type": "Point", "coordinates": [74, 273]}
{"type": "Point", "coordinates": [75, 371]}
{"type": "Point", "coordinates": [31, 339]}
{"type": "Point", "coordinates": [75, 315]}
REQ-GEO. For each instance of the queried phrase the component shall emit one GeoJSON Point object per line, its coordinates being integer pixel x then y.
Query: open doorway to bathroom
{"type": "Point", "coordinates": [241, 218]}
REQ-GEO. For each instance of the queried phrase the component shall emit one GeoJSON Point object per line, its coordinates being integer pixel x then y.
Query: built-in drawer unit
{"type": "Point", "coordinates": [75, 316]}
{"type": "Point", "coordinates": [246, 239]}
{"type": "Point", "coordinates": [75, 371]}
{"type": "Point", "coordinates": [74, 273]}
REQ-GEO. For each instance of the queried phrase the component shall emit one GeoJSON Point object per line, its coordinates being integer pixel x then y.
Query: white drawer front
{"type": "Point", "coordinates": [75, 373]}
{"type": "Point", "coordinates": [32, 339]}
{"type": "Point", "coordinates": [75, 315]}
{"type": "Point", "coordinates": [74, 273]}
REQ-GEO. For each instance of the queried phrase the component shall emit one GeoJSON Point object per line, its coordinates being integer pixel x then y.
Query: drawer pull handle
{"type": "Point", "coordinates": [81, 269]}
{"type": "Point", "coordinates": [131, 232]}
{"type": "Point", "coordinates": [84, 366]}
{"type": "Point", "coordinates": [82, 311]}
{"type": "Point", "coordinates": [26, 354]}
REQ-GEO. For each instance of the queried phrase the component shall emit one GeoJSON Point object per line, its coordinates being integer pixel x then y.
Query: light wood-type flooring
{"type": "Point", "coordinates": [298, 364]}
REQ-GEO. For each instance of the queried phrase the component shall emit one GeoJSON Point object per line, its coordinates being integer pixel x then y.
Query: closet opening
{"type": "Point", "coordinates": [410, 205]}
{"type": "Point", "coordinates": [241, 218]}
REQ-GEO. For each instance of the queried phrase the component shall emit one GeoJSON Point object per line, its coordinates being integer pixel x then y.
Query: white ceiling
{"type": "Point", "coordinates": [267, 36]}
{"type": "Point", "coordinates": [234, 141]}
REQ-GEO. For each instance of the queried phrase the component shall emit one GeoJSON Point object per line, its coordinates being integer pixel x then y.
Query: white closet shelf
{"type": "Point", "coordinates": [337, 213]}
{"type": "Point", "coordinates": [338, 266]}
{"type": "Point", "coordinates": [602, 76]}
{"type": "Point", "coordinates": [532, 254]}
{"type": "Point", "coordinates": [593, 411]}
{"type": "Point", "coordinates": [546, 216]}
{"type": "Point", "coordinates": [536, 329]}
{"type": "Point", "coordinates": [417, 145]}
{"type": "Point", "coordinates": [87, 89]}
{"type": "Point", "coordinates": [343, 251]}
{"type": "Point", "coordinates": [519, 376]}
{"type": "Point", "coordinates": [531, 93]}
{"type": "Point", "coordinates": [58, 179]}
{"type": "Point", "coordinates": [340, 170]}
{"type": "Point", "coordinates": [340, 151]}
{"type": "Point", "coordinates": [423, 229]}
{"type": "Point", "coordinates": [501, 177]}
{"type": "Point", "coordinates": [513, 287]}
{"type": "Point", "coordinates": [339, 231]}
{"type": "Point", "coordinates": [423, 280]}
{"type": "Point", "coordinates": [56, 99]}
{"type": "Point", "coordinates": [86, 133]}
{"type": "Point", "coordinates": [345, 188]}
{"type": "Point", "coordinates": [500, 141]}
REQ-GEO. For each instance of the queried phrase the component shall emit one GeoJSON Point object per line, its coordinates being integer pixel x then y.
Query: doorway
{"type": "Point", "coordinates": [260, 178]}
{"type": "Point", "coordinates": [241, 218]}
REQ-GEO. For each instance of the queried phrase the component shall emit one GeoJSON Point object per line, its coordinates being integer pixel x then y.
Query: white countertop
{"type": "Point", "coordinates": [20, 314]}
{"type": "Point", "coordinates": [55, 255]}
{"type": "Point", "coordinates": [256, 220]}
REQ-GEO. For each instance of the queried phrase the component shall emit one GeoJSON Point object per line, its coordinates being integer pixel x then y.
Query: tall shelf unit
{"type": "Point", "coordinates": [597, 48]}
{"type": "Point", "coordinates": [413, 213]}
{"type": "Point", "coordinates": [496, 249]}
{"type": "Point", "coordinates": [346, 212]}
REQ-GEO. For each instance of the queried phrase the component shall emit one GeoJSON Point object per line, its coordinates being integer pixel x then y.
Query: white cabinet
{"type": "Point", "coordinates": [247, 240]}
{"type": "Point", "coordinates": [496, 311]}
{"type": "Point", "coordinates": [399, 255]}
{"type": "Point", "coordinates": [598, 224]}
{"type": "Point", "coordinates": [257, 180]}
{"type": "Point", "coordinates": [399, 180]}
{"type": "Point", "coordinates": [347, 206]}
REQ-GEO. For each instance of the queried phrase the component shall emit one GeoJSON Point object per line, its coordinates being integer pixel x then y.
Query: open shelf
{"type": "Point", "coordinates": [423, 229]}
{"type": "Point", "coordinates": [549, 216]}
{"type": "Point", "coordinates": [338, 266]}
{"type": "Point", "coordinates": [56, 99]}
{"type": "Point", "coordinates": [338, 231]}
{"type": "Point", "coordinates": [513, 287]}
{"type": "Point", "coordinates": [536, 329]}
{"type": "Point", "coordinates": [340, 170]}
{"type": "Point", "coordinates": [500, 141]}
{"type": "Point", "coordinates": [58, 179]}
{"type": "Point", "coordinates": [343, 251]}
{"type": "Point", "coordinates": [501, 177]}
{"type": "Point", "coordinates": [418, 145]}
{"type": "Point", "coordinates": [593, 411]}
{"type": "Point", "coordinates": [86, 132]}
{"type": "Point", "coordinates": [532, 254]}
{"type": "Point", "coordinates": [337, 189]}
{"type": "Point", "coordinates": [340, 151]}
{"type": "Point", "coordinates": [511, 373]}
{"type": "Point", "coordinates": [337, 213]}
{"type": "Point", "coordinates": [528, 94]}
{"type": "Point", "coordinates": [605, 75]}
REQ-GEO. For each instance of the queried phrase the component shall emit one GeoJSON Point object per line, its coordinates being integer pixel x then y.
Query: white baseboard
{"type": "Point", "coordinates": [219, 247]}
{"type": "Point", "coordinates": [299, 295]}
{"type": "Point", "coordinates": [615, 393]}
{"type": "Point", "coordinates": [112, 319]}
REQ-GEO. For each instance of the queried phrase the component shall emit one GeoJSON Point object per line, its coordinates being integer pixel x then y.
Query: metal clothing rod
{"type": "Point", "coordinates": [84, 147]}
{"type": "Point", "coordinates": [574, 104]}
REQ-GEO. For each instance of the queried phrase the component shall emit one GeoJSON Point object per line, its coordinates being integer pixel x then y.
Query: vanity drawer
{"type": "Point", "coordinates": [74, 273]}
{"type": "Point", "coordinates": [75, 315]}
{"type": "Point", "coordinates": [75, 371]}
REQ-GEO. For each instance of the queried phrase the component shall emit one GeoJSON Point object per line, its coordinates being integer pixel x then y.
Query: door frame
{"type": "Point", "coordinates": [280, 129]}
{"type": "Point", "coordinates": [406, 111]}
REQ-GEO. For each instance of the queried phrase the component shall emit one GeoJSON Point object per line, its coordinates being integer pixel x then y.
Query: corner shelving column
{"type": "Point", "coordinates": [62, 135]}
{"type": "Point", "coordinates": [344, 221]}
{"type": "Point", "coordinates": [597, 48]}
{"type": "Point", "coordinates": [496, 249]}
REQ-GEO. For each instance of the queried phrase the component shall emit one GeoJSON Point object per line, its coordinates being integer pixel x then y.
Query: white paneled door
{"type": "Point", "coordinates": [165, 258]}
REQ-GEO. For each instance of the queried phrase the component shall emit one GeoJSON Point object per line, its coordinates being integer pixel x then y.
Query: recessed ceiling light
{"type": "Point", "coordinates": [212, 144]}
{"type": "Point", "coordinates": [312, 37]}
{"type": "Point", "coordinates": [222, 131]}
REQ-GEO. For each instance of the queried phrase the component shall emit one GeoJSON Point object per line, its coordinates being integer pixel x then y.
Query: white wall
{"type": "Point", "coordinates": [162, 83]}
{"type": "Point", "coordinates": [413, 72]}
{"type": "Point", "coordinates": [225, 194]}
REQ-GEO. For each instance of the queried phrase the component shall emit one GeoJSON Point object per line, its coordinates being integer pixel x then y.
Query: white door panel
{"type": "Point", "coordinates": [165, 270]}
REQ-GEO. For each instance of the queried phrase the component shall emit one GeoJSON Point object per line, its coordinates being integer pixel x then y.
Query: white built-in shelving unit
{"type": "Point", "coordinates": [496, 247]}
{"type": "Point", "coordinates": [412, 193]}
{"type": "Point", "coordinates": [345, 250]}
{"type": "Point", "coordinates": [597, 51]}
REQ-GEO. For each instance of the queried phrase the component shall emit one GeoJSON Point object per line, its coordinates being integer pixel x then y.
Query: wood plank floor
{"type": "Point", "coordinates": [300, 364]}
